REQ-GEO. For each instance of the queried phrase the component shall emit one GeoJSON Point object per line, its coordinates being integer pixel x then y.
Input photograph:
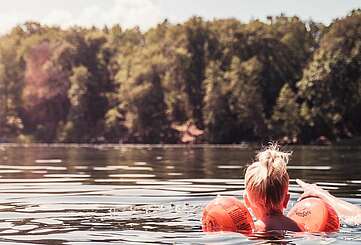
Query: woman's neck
{"type": "Point", "coordinates": [267, 220]}
{"type": "Point", "coordinates": [270, 214]}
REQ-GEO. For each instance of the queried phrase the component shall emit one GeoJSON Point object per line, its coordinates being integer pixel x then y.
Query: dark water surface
{"type": "Point", "coordinates": [149, 195]}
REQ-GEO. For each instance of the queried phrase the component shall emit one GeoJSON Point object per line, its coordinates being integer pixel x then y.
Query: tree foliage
{"type": "Point", "coordinates": [238, 81]}
{"type": "Point", "coordinates": [330, 87]}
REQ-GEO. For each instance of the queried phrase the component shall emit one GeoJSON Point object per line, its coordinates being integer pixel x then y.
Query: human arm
{"type": "Point", "coordinates": [344, 209]}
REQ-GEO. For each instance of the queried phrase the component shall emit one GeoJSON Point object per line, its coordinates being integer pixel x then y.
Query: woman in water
{"type": "Point", "coordinates": [266, 190]}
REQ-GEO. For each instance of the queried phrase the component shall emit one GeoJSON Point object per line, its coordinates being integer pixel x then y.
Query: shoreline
{"type": "Point", "coordinates": [169, 146]}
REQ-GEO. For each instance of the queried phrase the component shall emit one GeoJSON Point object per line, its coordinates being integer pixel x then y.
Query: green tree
{"type": "Point", "coordinates": [331, 82]}
{"type": "Point", "coordinates": [245, 99]}
{"type": "Point", "coordinates": [77, 127]}
{"type": "Point", "coordinates": [143, 100]}
{"type": "Point", "coordinates": [278, 61]}
{"type": "Point", "coordinates": [286, 120]}
{"type": "Point", "coordinates": [11, 82]}
{"type": "Point", "coordinates": [238, 81]}
{"type": "Point", "coordinates": [297, 35]}
{"type": "Point", "coordinates": [115, 130]}
{"type": "Point", "coordinates": [45, 89]}
{"type": "Point", "coordinates": [218, 120]}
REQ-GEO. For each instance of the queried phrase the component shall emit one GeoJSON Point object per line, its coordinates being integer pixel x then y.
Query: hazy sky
{"type": "Point", "coordinates": [146, 13]}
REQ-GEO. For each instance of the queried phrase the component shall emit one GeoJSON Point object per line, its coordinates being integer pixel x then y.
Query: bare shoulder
{"type": "Point", "coordinates": [281, 223]}
{"type": "Point", "coordinates": [291, 225]}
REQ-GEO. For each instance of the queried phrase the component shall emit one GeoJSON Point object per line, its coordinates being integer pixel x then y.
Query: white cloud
{"type": "Point", "coordinates": [10, 20]}
{"type": "Point", "coordinates": [127, 13]}
{"type": "Point", "coordinates": [58, 17]}
{"type": "Point", "coordinates": [144, 13]}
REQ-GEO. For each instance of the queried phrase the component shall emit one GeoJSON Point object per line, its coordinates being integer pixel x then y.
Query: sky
{"type": "Point", "coordinates": [147, 13]}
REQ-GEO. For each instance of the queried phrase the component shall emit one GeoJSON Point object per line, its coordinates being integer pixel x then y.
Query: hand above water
{"type": "Point", "coordinates": [344, 209]}
{"type": "Point", "coordinates": [312, 190]}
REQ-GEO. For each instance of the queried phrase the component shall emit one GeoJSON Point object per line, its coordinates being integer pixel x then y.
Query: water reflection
{"type": "Point", "coordinates": [107, 195]}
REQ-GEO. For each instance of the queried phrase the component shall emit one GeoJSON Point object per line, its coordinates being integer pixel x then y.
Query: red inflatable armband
{"type": "Point", "coordinates": [315, 215]}
{"type": "Point", "coordinates": [227, 214]}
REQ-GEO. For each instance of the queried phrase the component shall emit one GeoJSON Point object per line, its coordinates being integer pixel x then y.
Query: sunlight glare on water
{"type": "Point", "coordinates": [150, 195]}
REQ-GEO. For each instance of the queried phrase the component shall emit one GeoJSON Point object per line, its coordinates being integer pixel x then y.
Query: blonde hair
{"type": "Point", "coordinates": [266, 179]}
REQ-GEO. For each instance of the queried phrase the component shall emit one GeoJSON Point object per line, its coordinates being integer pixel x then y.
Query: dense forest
{"type": "Point", "coordinates": [283, 78]}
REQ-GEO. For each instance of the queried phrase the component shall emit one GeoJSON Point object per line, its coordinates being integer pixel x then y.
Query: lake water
{"type": "Point", "coordinates": [149, 195]}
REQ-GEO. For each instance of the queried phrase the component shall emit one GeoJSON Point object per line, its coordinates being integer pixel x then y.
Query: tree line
{"type": "Point", "coordinates": [283, 78]}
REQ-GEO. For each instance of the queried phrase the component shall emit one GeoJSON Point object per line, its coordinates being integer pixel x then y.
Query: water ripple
{"type": "Point", "coordinates": [114, 195]}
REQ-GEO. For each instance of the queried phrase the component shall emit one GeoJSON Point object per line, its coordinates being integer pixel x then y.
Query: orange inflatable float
{"type": "Point", "coordinates": [315, 215]}
{"type": "Point", "coordinates": [227, 214]}
{"type": "Point", "coordinates": [230, 214]}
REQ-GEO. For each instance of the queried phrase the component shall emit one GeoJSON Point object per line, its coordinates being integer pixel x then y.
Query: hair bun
{"type": "Point", "coordinates": [273, 159]}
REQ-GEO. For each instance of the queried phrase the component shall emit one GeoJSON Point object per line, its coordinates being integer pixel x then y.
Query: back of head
{"type": "Point", "coordinates": [267, 179]}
